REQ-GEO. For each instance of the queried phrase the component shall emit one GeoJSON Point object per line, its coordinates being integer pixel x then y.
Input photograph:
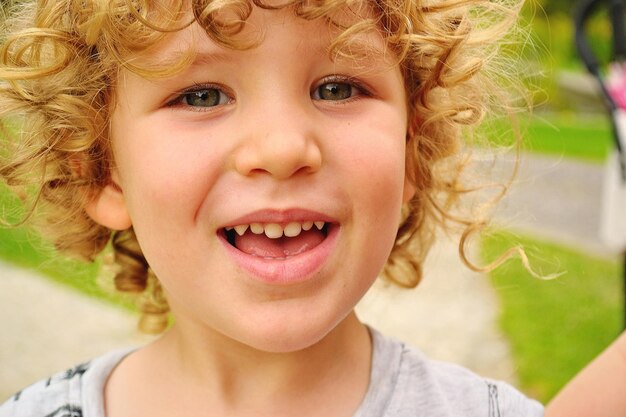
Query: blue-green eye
{"type": "Point", "coordinates": [335, 91]}
{"type": "Point", "coordinates": [205, 97]}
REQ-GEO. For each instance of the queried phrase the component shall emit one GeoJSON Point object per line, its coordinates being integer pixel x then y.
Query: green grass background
{"type": "Point", "coordinates": [588, 138]}
{"type": "Point", "coordinates": [22, 247]}
{"type": "Point", "coordinates": [555, 326]}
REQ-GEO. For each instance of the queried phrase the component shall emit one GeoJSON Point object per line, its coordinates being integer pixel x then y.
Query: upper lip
{"type": "Point", "coordinates": [280, 216]}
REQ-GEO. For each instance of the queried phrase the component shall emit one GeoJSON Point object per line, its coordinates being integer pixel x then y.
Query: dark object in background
{"type": "Point", "coordinates": [611, 79]}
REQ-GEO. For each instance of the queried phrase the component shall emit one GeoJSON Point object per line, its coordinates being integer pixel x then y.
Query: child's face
{"type": "Point", "coordinates": [279, 134]}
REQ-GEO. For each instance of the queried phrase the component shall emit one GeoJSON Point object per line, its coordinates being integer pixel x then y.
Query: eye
{"type": "Point", "coordinates": [336, 91]}
{"type": "Point", "coordinates": [202, 98]}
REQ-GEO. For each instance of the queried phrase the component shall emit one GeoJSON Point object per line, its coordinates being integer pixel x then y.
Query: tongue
{"type": "Point", "coordinates": [261, 245]}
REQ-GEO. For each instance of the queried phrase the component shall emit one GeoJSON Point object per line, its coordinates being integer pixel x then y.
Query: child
{"type": "Point", "coordinates": [257, 165]}
{"type": "Point", "coordinates": [599, 390]}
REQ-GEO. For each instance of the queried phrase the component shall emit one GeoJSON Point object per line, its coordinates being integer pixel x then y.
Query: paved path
{"type": "Point", "coordinates": [452, 314]}
{"type": "Point", "coordinates": [555, 198]}
{"type": "Point", "coordinates": [49, 328]}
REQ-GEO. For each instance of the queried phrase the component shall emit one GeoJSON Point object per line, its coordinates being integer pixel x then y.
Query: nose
{"type": "Point", "coordinates": [279, 148]}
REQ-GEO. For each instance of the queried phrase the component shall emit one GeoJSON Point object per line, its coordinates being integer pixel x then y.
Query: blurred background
{"type": "Point", "coordinates": [536, 333]}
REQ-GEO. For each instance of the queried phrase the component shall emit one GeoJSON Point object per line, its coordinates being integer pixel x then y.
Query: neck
{"type": "Point", "coordinates": [332, 372]}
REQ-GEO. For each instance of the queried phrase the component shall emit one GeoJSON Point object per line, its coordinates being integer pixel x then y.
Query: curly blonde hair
{"type": "Point", "coordinates": [59, 61]}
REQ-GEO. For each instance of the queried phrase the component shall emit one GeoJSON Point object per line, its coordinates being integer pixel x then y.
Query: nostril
{"type": "Point", "coordinates": [258, 171]}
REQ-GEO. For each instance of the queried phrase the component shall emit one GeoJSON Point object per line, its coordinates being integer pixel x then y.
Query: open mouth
{"type": "Point", "coordinates": [277, 241]}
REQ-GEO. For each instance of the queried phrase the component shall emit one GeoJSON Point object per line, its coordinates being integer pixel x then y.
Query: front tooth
{"type": "Point", "coordinates": [256, 228]}
{"type": "Point", "coordinates": [273, 230]}
{"type": "Point", "coordinates": [241, 229]}
{"type": "Point", "coordinates": [293, 229]}
{"type": "Point", "coordinates": [307, 226]}
{"type": "Point", "coordinates": [319, 225]}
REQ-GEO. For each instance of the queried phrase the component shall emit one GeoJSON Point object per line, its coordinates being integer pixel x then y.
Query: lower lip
{"type": "Point", "coordinates": [299, 268]}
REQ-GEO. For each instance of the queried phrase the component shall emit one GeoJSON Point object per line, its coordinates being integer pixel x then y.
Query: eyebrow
{"type": "Point", "coordinates": [204, 58]}
{"type": "Point", "coordinates": [194, 59]}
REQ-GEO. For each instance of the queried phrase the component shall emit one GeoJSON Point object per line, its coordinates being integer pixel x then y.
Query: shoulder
{"type": "Point", "coordinates": [58, 395]}
{"type": "Point", "coordinates": [442, 389]}
{"type": "Point", "coordinates": [468, 394]}
{"type": "Point", "coordinates": [65, 394]}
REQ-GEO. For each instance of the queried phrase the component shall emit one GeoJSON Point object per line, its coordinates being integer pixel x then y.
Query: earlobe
{"type": "Point", "coordinates": [108, 208]}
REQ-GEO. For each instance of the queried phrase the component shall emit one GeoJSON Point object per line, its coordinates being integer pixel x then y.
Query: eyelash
{"type": "Point", "coordinates": [358, 88]}
{"type": "Point", "coordinates": [178, 101]}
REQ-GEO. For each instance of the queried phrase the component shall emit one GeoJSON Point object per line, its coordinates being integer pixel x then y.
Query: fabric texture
{"type": "Point", "coordinates": [403, 383]}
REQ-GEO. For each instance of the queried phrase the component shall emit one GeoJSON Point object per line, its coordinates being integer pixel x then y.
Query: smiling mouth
{"type": "Point", "coordinates": [277, 241]}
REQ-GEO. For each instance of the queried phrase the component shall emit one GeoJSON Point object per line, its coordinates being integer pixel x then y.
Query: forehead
{"type": "Point", "coordinates": [344, 35]}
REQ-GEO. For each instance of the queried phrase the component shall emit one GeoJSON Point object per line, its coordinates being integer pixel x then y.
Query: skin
{"type": "Point", "coordinates": [271, 147]}
{"type": "Point", "coordinates": [599, 390]}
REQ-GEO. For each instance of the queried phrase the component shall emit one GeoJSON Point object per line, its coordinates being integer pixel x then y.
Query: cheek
{"type": "Point", "coordinates": [165, 187]}
{"type": "Point", "coordinates": [382, 192]}
{"type": "Point", "coordinates": [375, 164]}
{"type": "Point", "coordinates": [160, 173]}
{"type": "Point", "coordinates": [374, 159]}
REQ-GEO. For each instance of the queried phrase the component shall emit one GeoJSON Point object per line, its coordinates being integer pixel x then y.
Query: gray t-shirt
{"type": "Point", "coordinates": [403, 383]}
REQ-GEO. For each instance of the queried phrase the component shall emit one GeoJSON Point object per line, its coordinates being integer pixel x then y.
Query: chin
{"type": "Point", "coordinates": [288, 338]}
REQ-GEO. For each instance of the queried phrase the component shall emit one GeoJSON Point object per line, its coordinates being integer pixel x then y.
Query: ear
{"type": "Point", "coordinates": [413, 126]}
{"type": "Point", "coordinates": [408, 191]}
{"type": "Point", "coordinates": [108, 208]}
